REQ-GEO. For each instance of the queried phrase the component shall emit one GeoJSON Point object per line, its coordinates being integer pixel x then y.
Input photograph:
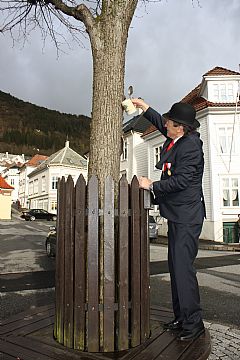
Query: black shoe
{"type": "Point", "coordinates": [187, 334]}
{"type": "Point", "coordinates": [173, 325]}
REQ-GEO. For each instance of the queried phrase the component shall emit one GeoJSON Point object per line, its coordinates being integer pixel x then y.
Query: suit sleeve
{"type": "Point", "coordinates": [187, 161]}
{"type": "Point", "coordinates": [156, 119]}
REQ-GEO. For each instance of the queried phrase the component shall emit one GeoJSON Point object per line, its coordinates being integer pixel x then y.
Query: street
{"type": "Point", "coordinates": [27, 274]}
{"type": "Point", "coordinates": [27, 280]}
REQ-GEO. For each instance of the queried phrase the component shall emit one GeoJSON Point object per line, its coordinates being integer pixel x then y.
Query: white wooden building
{"type": "Point", "coordinates": [134, 149]}
{"type": "Point", "coordinates": [42, 182]}
{"type": "Point", "coordinates": [25, 170]}
{"type": "Point", "coordinates": [216, 100]}
{"type": "Point", "coordinates": [11, 174]}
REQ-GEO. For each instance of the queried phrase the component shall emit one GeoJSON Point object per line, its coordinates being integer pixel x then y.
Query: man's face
{"type": "Point", "coordinates": [173, 130]}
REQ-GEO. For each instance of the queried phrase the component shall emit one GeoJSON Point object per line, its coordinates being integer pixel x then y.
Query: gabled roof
{"type": "Point", "coordinates": [36, 160]}
{"type": "Point", "coordinates": [63, 157]}
{"type": "Point", "coordinates": [138, 123]}
{"type": "Point", "coordinates": [218, 70]}
{"type": "Point", "coordinates": [149, 130]}
{"type": "Point", "coordinates": [200, 103]}
{"type": "Point", "coordinates": [4, 184]}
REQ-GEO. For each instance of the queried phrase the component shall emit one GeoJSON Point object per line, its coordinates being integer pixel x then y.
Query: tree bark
{"type": "Point", "coordinates": [108, 41]}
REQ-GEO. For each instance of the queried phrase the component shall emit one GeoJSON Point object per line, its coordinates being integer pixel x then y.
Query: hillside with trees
{"type": "Point", "coordinates": [30, 129]}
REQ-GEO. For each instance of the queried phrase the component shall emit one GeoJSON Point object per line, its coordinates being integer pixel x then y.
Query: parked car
{"type": "Point", "coordinates": [152, 228]}
{"type": "Point", "coordinates": [50, 243]}
{"type": "Point", "coordinates": [38, 214]}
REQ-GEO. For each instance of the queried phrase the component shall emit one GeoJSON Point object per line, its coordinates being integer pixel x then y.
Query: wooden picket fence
{"type": "Point", "coordinates": [120, 320]}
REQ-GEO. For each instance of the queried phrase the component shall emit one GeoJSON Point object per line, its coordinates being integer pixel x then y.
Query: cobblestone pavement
{"type": "Point", "coordinates": [225, 342]}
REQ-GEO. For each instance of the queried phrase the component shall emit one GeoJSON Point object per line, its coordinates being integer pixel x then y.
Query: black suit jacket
{"type": "Point", "coordinates": [179, 192]}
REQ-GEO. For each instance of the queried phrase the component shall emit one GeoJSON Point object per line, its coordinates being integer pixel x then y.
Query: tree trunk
{"type": "Point", "coordinates": [108, 40]}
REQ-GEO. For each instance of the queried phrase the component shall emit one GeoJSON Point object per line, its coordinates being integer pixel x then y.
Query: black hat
{"type": "Point", "coordinates": [183, 113]}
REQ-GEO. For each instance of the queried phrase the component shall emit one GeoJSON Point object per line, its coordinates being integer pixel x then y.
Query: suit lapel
{"type": "Point", "coordinates": [165, 154]}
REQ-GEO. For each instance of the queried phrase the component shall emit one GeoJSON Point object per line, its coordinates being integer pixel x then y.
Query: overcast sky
{"type": "Point", "coordinates": [171, 44]}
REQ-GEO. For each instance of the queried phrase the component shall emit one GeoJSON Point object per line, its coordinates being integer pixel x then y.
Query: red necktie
{"type": "Point", "coordinates": [165, 166]}
{"type": "Point", "coordinates": [170, 145]}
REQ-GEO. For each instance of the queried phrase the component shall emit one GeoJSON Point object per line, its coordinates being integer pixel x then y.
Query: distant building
{"type": "Point", "coordinates": [5, 199]}
{"type": "Point", "coordinates": [9, 159]}
{"type": "Point", "coordinates": [42, 191]}
{"type": "Point", "coordinates": [11, 174]}
{"type": "Point", "coordinates": [26, 169]}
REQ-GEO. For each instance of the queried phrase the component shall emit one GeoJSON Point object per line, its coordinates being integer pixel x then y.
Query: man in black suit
{"type": "Point", "coordinates": [180, 198]}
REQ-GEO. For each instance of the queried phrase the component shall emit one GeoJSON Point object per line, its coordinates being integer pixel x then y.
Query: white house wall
{"type": "Point", "coordinates": [23, 185]}
{"type": "Point", "coordinates": [140, 158]}
{"type": "Point", "coordinates": [44, 200]}
{"type": "Point", "coordinates": [208, 232]}
{"type": "Point", "coordinates": [221, 166]}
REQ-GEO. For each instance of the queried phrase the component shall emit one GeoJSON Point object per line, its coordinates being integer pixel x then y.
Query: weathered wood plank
{"type": "Point", "coordinates": [109, 266]}
{"type": "Point", "coordinates": [161, 345]}
{"type": "Point", "coordinates": [145, 276]}
{"type": "Point", "coordinates": [156, 347]}
{"type": "Point", "coordinates": [174, 350]}
{"type": "Point", "coordinates": [60, 261]}
{"type": "Point", "coordinates": [41, 324]}
{"type": "Point", "coordinates": [25, 321]}
{"type": "Point", "coordinates": [69, 264]}
{"type": "Point", "coordinates": [53, 351]}
{"type": "Point", "coordinates": [135, 264]}
{"type": "Point", "coordinates": [199, 349]}
{"type": "Point", "coordinates": [123, 265]}
{"type": "Point", "coordinates": [93, 266]}
{"type": "Point", "coordinates": [26, 314]}
{"type": "Point", "coordinates": [19, 352]}
{"type": "Point", "coordinates": [80, 265]}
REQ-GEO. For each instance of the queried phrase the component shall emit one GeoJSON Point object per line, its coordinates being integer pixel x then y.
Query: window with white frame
{"type": "Point", "coordinates": [43, 183]}
{"type": "Point", "coordinates": [125, 150]}
{"type": "Point", "coordinates": [230, 191]}
{"type": "Point", "coordinates": [54, 182]}
{"type": "Point", "coordinates": [226, 140]}
{"type": "Point", "coordinates": [30, 189]}
{"type": "Point", "coordinates": [223, 92]}
{"type": "Point", "coordinates": [53, 205]}
{"type": "Point", "coordinates": [35, 186]}
{"type": "Point", "coordinates": [12, 181]}
{"type": "Point", "coordinates": [157, 152]}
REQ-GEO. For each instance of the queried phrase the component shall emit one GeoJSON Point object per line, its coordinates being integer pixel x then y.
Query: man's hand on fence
{"type": "Point", "coordinates": [145, 183]}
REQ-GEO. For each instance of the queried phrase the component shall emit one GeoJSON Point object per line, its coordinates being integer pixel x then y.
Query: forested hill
{"type": "Point", "coordinates": [29, 129]}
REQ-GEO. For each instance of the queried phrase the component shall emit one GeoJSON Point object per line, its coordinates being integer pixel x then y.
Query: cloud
{"type": "Point", "coordinates": [171, 45]}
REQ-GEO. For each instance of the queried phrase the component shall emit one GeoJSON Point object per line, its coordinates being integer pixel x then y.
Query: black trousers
{"type": "Point", "coordinates": [182, 250]}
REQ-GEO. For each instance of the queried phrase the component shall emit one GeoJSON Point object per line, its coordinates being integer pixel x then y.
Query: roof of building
{"type": "Point", "coordinates": [4, 184]}
{"type": "Point", "coordinates": [199, 102]}
{"type": "Point", "coordinates": [138, 123]}
{"type": "Point", "coordinates": [63, 157]}
{"type": "Point", "coordinates": [218, 70]}
{"type": "Point", "coordinates": [36, 160]}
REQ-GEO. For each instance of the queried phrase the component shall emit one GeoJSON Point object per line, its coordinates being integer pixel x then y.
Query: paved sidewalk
{"type": "Point", "coordinates": [205, 244]}
{"type": "Point", "coordinates": [225, 342]}
{"type": "Point", "coordinates": [225, 339]}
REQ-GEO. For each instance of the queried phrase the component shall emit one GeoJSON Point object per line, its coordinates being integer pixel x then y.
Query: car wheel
{"type": "Point", "coordinates": [49, 250]}
{"type": "Point", "coordinates": [32, 218]}
{"type": "Point", "coordinates": [54, 218]}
